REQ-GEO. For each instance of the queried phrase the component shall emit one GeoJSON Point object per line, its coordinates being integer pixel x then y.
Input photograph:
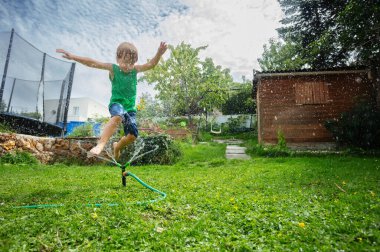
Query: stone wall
{"type": "Point", "coordinates": [49, 150]}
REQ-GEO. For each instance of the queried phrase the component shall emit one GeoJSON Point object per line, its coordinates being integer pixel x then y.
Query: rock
{"type": "Point", "coordinates": [32, 143]}
{"type": "Point", "coordinates": [5, 137]}
{"type": "Point", "coordinates": [28, 146]}
{"type": "Point", "coordinates": [9, 145]}
{"type": "Point", "coordinates": [48, 150]}
{"type": "Point", "coordinates": [39, 147]}
{"type": "Point", "coordinates": [20, 142]}
{"type": "Point", "coordinates": [48, 145]}
{"type": "Point", "coordinates": [66, 146]}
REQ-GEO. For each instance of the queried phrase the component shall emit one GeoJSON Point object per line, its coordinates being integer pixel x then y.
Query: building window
{"type": "Point", "coordinates": [75, 110]}
{"type": "Point", "coordinates": [312, 93]}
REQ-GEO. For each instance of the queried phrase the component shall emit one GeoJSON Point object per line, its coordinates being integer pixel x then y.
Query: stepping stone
{"type": "Point", "coordinates": [233, 151]}
{"type": "Point", "coordinates": [238, 156]}
{"type": "Point", "coordinates": [235, 147]}
{"type": "Point", "coordinates": [236, 152]}
{"type": "Point", "coordinates": [228, 141]}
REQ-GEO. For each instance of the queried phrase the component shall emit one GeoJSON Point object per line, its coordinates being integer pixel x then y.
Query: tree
{"type": "Point", "coordinates": [149, 107]}
{"type": "Point", "coordinates": [280, 55]}
{"type": "Point", "coordinates": [333, 33]}
{"type": "Point", "coordinates": [311, 25]}
{"type": "Point", "coordinates": [185, 84]}
{"type": "Point", "coordinates": [359, 30]}
{"type": "Point", "coordinates": [240, 100]}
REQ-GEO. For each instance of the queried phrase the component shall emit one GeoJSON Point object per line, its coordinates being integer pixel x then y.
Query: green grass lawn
{"type": "Point", "coordinates": [270, 204]}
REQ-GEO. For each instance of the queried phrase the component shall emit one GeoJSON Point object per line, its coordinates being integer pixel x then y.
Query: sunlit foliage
{"type": "Point", "coordinates": [323, 34]}
{"type": "Point", "coordinates": [186, 84]}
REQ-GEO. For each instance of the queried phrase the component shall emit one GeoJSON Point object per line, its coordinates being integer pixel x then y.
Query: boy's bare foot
{"type": "Point", "coordinates": [96, 150]}
{"type": "Point", "coordinates": [116, 151]}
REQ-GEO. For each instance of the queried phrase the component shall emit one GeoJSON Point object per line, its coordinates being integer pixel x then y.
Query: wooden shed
{"type": "Point", "coordinates": [298, 103]}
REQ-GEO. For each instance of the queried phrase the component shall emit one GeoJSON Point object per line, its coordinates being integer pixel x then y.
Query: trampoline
{"type": "Point", "coordinates": [35, 88]}
{"type": "Point", "coordinates": [30, 126]}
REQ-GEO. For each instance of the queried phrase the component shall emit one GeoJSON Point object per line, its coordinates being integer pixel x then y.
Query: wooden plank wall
{"type": "Point", "coordinates": [278, 110]}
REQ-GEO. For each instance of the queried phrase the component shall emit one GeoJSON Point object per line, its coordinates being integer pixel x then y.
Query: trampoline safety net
{"type": "Point", "coordinates": [34, 85]}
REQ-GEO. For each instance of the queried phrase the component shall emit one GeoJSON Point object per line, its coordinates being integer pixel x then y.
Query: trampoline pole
{"type": "Point", "coordinates": [6, 65]}
{"type": "Point", "coordinates": [60, 103]}
{"type": "Point", "coordinates": [67, 102]}
{"type": "Point", "coordinates": [10, 98]}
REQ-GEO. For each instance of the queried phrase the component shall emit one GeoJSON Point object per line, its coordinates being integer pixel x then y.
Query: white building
{"type": "Point", "coordinates": [80, 110]}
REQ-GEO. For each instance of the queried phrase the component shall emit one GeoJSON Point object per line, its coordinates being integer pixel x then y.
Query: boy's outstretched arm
{"type": "Point", "coordinates": [85, 61]}
{"type": "Point", "coordinates": [153, 62]}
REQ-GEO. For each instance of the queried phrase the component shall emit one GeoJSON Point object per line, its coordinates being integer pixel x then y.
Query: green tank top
{"type": "Point", "coordinates": [124, 88]}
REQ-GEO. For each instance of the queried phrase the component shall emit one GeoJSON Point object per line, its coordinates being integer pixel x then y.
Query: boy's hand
{"type": "Point", "coordinates": [65, 55]}
{"type": "Point", "coordinates": [153, 62]}
{"type": "Point", "coordinates": [162, 49]}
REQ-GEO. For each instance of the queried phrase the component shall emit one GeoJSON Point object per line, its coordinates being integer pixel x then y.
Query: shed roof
{"type": "Point", "coordinates": [298, 72]}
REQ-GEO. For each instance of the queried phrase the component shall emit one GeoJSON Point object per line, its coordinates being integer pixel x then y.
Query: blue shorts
{"type": "Point", "coordinates": [128, 118]}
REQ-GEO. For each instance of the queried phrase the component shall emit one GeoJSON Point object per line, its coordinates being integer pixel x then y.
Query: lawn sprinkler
{"type": "Point", "coordinates": [124, 175]}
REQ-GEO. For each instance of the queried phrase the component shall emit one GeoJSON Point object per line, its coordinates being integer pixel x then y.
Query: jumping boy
{"type": "Point", "coordinates": [123, 77]}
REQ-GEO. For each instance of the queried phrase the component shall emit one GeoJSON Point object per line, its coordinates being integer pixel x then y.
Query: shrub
{"type": "Point", "coordinates": [359, 127]}
{"type": "Point", "coordinates": [179, 122]}
{"type": "Point", "coordinates": [279, 150]}
{"type": "Point", "coordinates": [6, 128]}
{"type": "Point", "coordinates": [281, 144]}
{"type": "Point", "coordinates": [204, 136]}
{"type": "Point", "coordinates": [235, 125]}
{"type": "Point", "coordinates": [85, 130]}
{"type": "Point", "coordinates": [168, 151]}
{"type": "Point", "coordinates": [18, 157]}
{"type": "Point", "coordinates": [268, 151]}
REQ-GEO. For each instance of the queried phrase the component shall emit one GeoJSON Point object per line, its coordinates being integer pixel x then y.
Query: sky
{"type": "Point", "coordinates": [234, 30]}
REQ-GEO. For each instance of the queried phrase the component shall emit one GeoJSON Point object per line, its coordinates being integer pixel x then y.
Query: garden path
{"type": "Point", "coordinates": [233, 150]}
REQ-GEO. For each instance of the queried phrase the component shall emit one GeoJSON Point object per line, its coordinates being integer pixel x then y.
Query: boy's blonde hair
{"type": "Point", "coordinates": [127, 53]}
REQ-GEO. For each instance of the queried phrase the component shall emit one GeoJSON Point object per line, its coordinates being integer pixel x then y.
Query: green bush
{"type": "Point", "coordinates": [168, 151]}
{"type": "Point", "coordinates": [204, 136]}
{"type": "Point", "coordinates": [281, 144]}
{"type": "Point", "coordinates": [178, 122]}
{"type": "Point", "coordinates": [18, 157]}
{"type": "Point", "coordinates": [268, 151]}
{"type": "Point", "coordinates": [279, 150]}
{"type": "Point", "coordinates": [235, 125]}
{"type": "Point", "coordinates": [359, 127]}
{"type": "Point", "coordinates": [6, 128]}
{"type": "Point", "coordinates": [85, 130]}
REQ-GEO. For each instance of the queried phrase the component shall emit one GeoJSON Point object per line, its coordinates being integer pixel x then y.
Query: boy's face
{"type": "Point", "coordinates": [128, 58]}
{"type": "Point", "coordinates": [126, 54]}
